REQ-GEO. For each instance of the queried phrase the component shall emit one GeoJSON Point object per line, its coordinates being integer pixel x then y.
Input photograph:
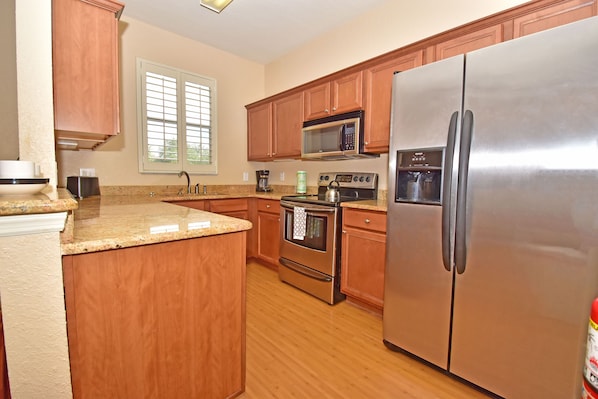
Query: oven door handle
{"type": "Point", "coordinates": [304, 270]}
{"type": "Point", "coordinates": [290, 205]}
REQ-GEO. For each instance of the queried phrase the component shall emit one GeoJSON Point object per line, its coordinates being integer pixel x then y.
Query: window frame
{"type": "Point", "coordinates": [148, 167]}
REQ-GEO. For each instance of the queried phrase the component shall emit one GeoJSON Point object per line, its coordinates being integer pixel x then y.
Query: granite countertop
{"type": "Point", "coordinates": [112, 222]}
{"type": "Point", "coordinates": [370, 205]}
{"type": "Point", "coordinates": [117, 221]}
{"type": "Point", "coordinates": [50, 200]}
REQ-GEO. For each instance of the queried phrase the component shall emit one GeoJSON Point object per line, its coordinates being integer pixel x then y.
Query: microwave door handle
{"type": "Point", "coordinates": [341, 138]}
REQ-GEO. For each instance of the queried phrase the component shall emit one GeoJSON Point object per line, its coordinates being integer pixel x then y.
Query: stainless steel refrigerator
{"type": "Point", "coordinates": [492, 248]}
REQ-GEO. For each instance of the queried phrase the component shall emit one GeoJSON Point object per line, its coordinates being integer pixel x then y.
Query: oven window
{"type": "Point", "coordinates": [315, 231]}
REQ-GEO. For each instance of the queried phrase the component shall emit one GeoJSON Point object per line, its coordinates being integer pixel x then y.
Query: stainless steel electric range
{"type": "Point", "coordinates": [310, 245]}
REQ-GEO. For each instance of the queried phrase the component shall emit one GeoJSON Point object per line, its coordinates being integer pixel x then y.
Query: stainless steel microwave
{"type": "Point", "coordinates": [334, 137]}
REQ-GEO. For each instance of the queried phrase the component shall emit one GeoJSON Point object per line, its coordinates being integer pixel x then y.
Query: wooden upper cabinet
{"type": "Point", "coordinates": [259, 132]}
{"type": "Point", "coordinates": [340, 95]}
{"type": "Point", "coordinates": [85, 70]}
{"type": "Point", "coordinates": [370, 88]}
{"type": "Point", "coordinates": [378, 93]}
{"type": "Point", "coordinates": [274, 128]}
{"type": "Point", "coordinates": [469, 42]}
{"type": "Point", "coordinates": [287, 114]}
{"type": "Point", "coordinates": [556, 15]}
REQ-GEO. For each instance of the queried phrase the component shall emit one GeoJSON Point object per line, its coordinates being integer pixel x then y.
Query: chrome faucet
{"type": "Point", "coordinates": [182, 172]}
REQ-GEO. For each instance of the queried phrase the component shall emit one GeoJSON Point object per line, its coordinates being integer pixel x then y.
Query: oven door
{"type": "Point", "coordinates": [315, 249]}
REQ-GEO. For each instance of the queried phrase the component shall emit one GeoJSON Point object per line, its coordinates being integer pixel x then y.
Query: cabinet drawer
{"type": "Point", "coordinates": [228, 205]}
{"type": "Point", "coordinates": [270, 206]}
{"type": "Point", "coordinates": [369, 220]}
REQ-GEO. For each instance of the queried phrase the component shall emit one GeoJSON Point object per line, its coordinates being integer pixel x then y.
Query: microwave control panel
{"type": "Point", "coordinates": [348, 134]}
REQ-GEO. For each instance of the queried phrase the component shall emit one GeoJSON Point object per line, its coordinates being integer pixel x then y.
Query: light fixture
{"type": "Point", "coordinates": [215, 5]}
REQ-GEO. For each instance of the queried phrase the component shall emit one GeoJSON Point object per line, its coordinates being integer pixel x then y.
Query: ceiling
{"type": "Point", "coordinates": [258, 30]}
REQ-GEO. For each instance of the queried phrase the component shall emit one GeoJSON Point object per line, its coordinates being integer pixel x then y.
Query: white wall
{"type": "Point", "coordinates": [31, 285]}
{"type": "Point", "coordinates": [239, 82]}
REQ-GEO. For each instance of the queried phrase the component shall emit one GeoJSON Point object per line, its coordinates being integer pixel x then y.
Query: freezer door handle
{"type": "Point", "coordinates": [447, 173]}
{"type": "Point", "coordinates": [461, 223]}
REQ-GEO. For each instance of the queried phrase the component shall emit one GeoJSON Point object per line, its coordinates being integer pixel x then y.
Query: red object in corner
{"type": "Point", "coordinates": [590, 369]}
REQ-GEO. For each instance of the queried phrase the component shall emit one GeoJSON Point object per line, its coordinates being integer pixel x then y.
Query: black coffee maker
{"type": "Point", "coordinates": [262, 181]}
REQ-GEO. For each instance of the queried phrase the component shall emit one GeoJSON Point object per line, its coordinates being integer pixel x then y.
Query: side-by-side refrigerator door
{"type": "Point", "coordinates": [530, 270]}
{"type": "Point", "coordinates": [418, 286]}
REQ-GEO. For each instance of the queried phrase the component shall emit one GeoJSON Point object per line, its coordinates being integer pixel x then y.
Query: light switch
{"type": "Point", "coordinates": [245, 176]}
{"type": "Point", "coordinates": [281, 176]}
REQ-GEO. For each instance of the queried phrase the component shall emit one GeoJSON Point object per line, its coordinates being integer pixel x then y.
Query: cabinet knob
{"type": "Point", "coordinates": [273, 153]}
{"type": "Point", "coordinates": [268, 206]}
{"type": "Point", "coordinates": [344, 231]}
{"type": "Point", "coordinates": [367, 221]}
{"type": "Point", "coordinates": [334, 108]}
{"type": "Point", "coordinates": [327, 110]}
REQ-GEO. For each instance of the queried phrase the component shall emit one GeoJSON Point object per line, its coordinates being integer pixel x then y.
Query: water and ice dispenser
{"type": "Point", "coordinates": [419, 176]}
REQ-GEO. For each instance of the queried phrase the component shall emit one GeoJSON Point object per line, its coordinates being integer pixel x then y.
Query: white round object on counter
{"type": "Point", "coordinates": [22, 186]}
{"type": "Point", "coordinates": [17, 169]}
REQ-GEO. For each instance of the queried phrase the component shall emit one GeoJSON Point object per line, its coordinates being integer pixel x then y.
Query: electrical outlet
{"type": "Point", "coordinates": [87, 172]}
{"type": "Point", "coordinates": [281, 176]}
{"type": "Point", "coordinates": [245, 176]}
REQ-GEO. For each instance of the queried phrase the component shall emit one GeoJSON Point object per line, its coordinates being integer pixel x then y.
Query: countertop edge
{"type": "Point", "coordinates": [48, 201]}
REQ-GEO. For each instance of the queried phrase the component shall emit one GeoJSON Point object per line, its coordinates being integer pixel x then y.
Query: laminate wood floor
{"type": "Point", "coordinates": [301, 347]}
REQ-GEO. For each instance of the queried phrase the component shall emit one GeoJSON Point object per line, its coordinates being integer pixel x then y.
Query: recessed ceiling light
{"type": "Point", "coordinates": [215, 5]}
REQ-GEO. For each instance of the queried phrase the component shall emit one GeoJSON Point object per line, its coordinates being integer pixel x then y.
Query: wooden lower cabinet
{"type": "Point", "coordinates": [363, 257]}
{"type": "Point", "coordinates": [239, 208]}
{"type": "Point", "coordinates": [268, 231]}
{"type": "Point", "coordinates": [158, 321]}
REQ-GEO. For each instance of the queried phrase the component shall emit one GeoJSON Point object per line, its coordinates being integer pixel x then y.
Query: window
{"type": "Point", "coordinates": [176, 120]}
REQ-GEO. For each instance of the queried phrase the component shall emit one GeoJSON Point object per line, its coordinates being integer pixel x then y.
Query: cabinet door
{"type": "Point", "coordinates": [556, 15]}
{"type": "Point", "coordinates": [469, 42]}
{"type": "Point", "coordinates": [362, 265]}
{"type": "Point", "coordinates": [226, 206]}
{"type": "Point", "coordinates": [378, 91]}
{"type": "Point", "coordinates": [288, 119]}
{"type": "Point", "coordinates": [85, 69]}
{"type": "Point", "coordinates": [259, 132]}
{"type": "Point", "coordinates": [347, 93]}
{"type": "Point", "coordinates": [317, 101]}
{"type": "Point", "coordinates": [164, 321]}
{"type": "Point", "coordinates": [268, 230]}
{"type": "Point", "coordinates": [341, 95]}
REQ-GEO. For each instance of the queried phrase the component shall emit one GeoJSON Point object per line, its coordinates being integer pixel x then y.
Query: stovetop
{"type": "Point", "coordinates": [352, 187]}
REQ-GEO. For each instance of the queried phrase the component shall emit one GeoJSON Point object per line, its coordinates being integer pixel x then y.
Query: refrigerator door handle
{"type": "Point", "coordinates": [447, 173]}
{"type": "Point", "coordinates": [462, 176]}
